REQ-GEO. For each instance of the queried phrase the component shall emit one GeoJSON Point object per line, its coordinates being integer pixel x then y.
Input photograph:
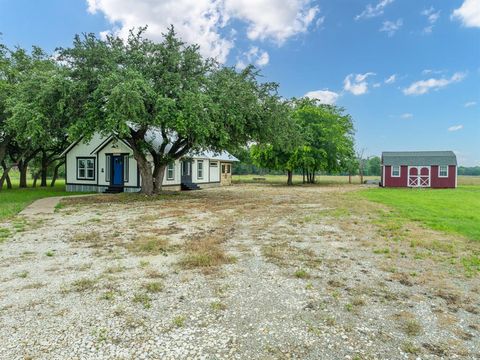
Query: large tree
{"type": "Point", "coordinates": [328, 135]}
{"type": "Point", "coordinates": [322, 140]}
{"type": "Point", "coordinates": [37, 111]}
{"type": "Point", "coordinates": [5, 88]}
{"type": "Point", "coordinates": [137, 88]}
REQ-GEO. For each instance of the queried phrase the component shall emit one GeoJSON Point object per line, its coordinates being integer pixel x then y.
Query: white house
{"type": "Point", "coordinates": [106, 164]}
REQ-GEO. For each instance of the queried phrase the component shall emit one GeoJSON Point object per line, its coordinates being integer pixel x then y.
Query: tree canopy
{"type": "Point", "coordinates": [138, 88]}
{"type": "Point", "coordinates": [165, 101]}
{"type": "Point", "coordinates": [323, 141]}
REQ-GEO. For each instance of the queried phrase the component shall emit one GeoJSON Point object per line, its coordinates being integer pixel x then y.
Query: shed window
{"type": "Point", "coordinates": [443, 171]}
{"type": "Point", "coordinates": [171, 171]}
{"type": "Point", "coordinates": [200, 169]}
{"type": "Point", "coordinates": [86, 168]}
{"type": "Point", "coordinates": [395, 171]}
{"type": "Point", "coordinates": [213, 164]}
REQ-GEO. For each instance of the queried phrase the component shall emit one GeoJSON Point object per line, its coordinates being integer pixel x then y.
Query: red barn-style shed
{"type": "Point", "coordinates": [425, 169]}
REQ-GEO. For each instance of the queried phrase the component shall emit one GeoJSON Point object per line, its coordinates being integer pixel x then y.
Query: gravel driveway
{"type": "Point", "coordinates": [302, 273]}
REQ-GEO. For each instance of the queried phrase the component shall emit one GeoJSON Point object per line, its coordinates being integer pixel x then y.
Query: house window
{"type": "Point", "coordinates": [171, 171]}
{"type": "Point", "coordinates": [443, 171]}
{"type": "Point", "coordinates": [223, 168]}
{"type": "Point", "coordinates": [213, 164]}
{"type": "Point", "coordinates": [395, 171]}
{"type": "Point", "coordinates": [86, 168]}
{"type": "Point", "coordinates": [200, 169]}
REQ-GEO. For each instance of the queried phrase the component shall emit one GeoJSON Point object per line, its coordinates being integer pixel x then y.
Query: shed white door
{"type": "Point", "coordinates": [419, 176]}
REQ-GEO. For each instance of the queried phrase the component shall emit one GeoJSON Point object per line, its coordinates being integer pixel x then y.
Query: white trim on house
{"type": "Point", "coordinates": [399, 171]}
{"type": "Point", "coordinates": [420, 180]}
{"type": "Point", "coordinates": [102, 148]}
{"type": "Point", "coordinates": [440, 171]}
{"type": "Point", "coordinates": [171, 169]}
{"type": "Point", "coordinates": [456, 175]}
{"type": "Point", "coordinates": [383, 177]}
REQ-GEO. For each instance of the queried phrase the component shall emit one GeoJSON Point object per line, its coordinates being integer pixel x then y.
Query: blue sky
{"type": "Point", "coordinates": [408, 71]}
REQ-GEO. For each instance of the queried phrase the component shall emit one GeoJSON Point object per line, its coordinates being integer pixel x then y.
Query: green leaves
{"type": "Point", "coordinates": [320, 138]}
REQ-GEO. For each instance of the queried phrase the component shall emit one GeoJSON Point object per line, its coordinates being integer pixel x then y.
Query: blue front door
{"type": "Point", "coordinates": [117, 170]}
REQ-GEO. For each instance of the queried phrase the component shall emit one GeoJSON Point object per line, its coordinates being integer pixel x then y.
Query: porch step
{"type": "Point", "coordinates": [113, 190]}
{"type": "Point", "coordinates": [189, 186]}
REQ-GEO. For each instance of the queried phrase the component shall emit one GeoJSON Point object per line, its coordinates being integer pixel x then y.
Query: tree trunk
{"type": "Point", "coordinates": [23, 167]}
{"type": "Point", "coordinates": [145, 173]}
{"type": "Point", "coordinates": [55, 173]}
{"type": "Point", "coordinates": [349, 177]}
{"type": "Point", "coordinates": [158, 174]}
{"type": "Point", "coordinates": [8, 180]}
{"type": "Point", "coordinates": [303, 173]}
{"type": "Point", "coordinates": [35, 178]}
{"type": "Point", "coordinates": [44, 169]}
{"type": "Point", "coordinates": [289, 178]}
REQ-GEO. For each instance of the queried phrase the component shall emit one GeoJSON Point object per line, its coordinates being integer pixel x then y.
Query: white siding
{"type": "Point", "coordinates": [176, 175]}
{"type": "Point", "coordinates": [120, 148]}
{"type": "Point", "coordinates": [214, 171]}
{"type": "Point", "coordinates": [82, 149]}
{"type": "Point", "coordinates": [206, 173]}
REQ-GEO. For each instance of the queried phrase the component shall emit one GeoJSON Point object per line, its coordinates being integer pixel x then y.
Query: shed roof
{"type": "Point", "coordinates": [419, 158]}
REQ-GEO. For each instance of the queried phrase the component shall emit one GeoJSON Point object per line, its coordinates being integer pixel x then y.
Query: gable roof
{"type": "Point", "coordinates": [419, 158]}
{"type": "Point", "coordinates": [155, 139]}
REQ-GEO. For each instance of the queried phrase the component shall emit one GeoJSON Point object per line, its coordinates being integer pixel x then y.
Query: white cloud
{"type": "Point", "coordinates": [373, 11]}
{"type": "Point", "coordinates": [432, 17]}
{"type": "Point", "coordinates": [205, 22]}
{"type": "Point", "coordinates": [455, 128]}
{"type": "Point", "coordinates": [424, 86]}
{"type": "Point", "coordinates": [406, 116]}
{"type": "Point", "coordinates": [391, 27]}
{"type": "Point", "coordinates": [253, 56]}
{"type": "Point", "coordinates": [356, 83]}
{"type": "Point", "coordinates": [468, 13]}
{"type": "Point", "coordinates": [391, 79]}
{"type": "Point", "coordinates": [324, 96]}
{"type": "Point", "coordinates": [269, 19]}
{"type": "Point", "coordinates": [376, 85]}
{"type": "Point", "coordinates": [470, 103]}
{"type": "Point", "coordinates": [431, 71]}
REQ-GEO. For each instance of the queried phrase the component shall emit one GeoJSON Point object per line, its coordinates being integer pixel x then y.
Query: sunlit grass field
{"type": "Point", "coordinates": [450, 210]}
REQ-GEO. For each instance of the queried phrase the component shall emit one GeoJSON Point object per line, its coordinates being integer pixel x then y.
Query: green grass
{"type": "Point", "coordinates": [450, 210]}
{"type": "Point", "coordinates": [15, 200]}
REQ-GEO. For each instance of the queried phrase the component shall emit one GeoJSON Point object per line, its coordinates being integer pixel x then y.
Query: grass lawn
{"type": "Point", "coordinates": [15, 200]}
{"type": "Point", "coordinates": [449, 210]}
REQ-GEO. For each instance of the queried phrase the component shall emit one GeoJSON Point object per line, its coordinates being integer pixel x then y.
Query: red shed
{"type": "Point", "coordinates": [434, 169]}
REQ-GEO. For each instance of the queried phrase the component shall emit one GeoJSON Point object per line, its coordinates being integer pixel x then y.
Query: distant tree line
{"type": "Point", "coordinates": [133, 87]}
{"type": "Point", "coordinates": [472, 171]}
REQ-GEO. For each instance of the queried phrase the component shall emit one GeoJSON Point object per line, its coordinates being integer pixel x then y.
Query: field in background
{"type": "Point", "coordinates": [297, 179]}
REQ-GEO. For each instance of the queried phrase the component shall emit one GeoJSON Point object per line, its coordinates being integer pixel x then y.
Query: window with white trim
{"type": "Point", "coordinates": [395, 171]}
{"type": "Point", "coordinates": [443, 171]}
{"type": "Point", "coordinates": [86, 168]}
{"type": "Point", "coordinates": [213, 164]}
{"type": "Point", "coordinates": [171, 171]}
{"type": "Point", "coordinates": [200, 169]}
